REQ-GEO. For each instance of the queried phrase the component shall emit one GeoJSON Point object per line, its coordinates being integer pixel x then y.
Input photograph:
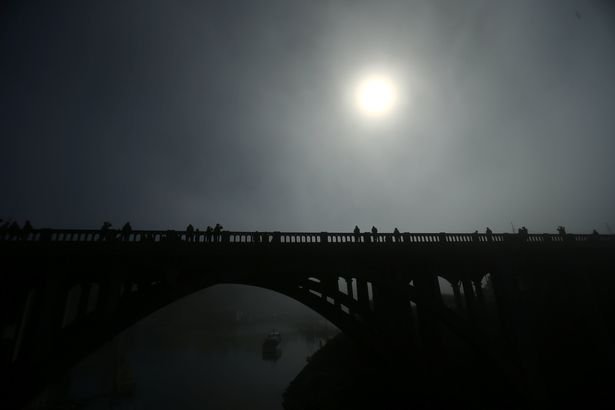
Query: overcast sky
{"type": "Point", "coordinates": [166, 113]}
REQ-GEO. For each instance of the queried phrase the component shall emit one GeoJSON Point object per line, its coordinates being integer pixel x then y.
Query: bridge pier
{"type": "Point", "coordinates": [480, 296]}
{"type": "Point", "coordinates": [363, 295]}
{"type": "Point", "coordinates": [393, 314]}
{"type": "Point", "coordinates": [468, 292]}
{"type": "Point", "coordinates": [457, 295]}
{"type": "Point", "coordinates": [428, 300]}
{"type": "Point", "coordinates": [51, 308]}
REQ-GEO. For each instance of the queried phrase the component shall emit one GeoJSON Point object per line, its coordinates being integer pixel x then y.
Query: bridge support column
{"type": "Point", "coordinates": [511, 312]}
{"type": "Point", "coordinates": [480, 297]}
{"type": "Point", "coordinates": [481, 306]}
{"type": "Point", "coordinates": [468, 291]}
{"type": "Point", "coordinates": [363, 295]}
{"type": "Point", "coordinates": [350, 294]}
{"type": "Point", "coordinates": [51, 306]}
{"type": "Point", "coordinates": [18, 316]}
{"type": "Point", "coordinates": [428, 300]}
{"type": "Point", "coordinates": [457, 294]}
{"type": "Point", "coordinates": [505, 290]}
{"type": "Point", "coordinates": [393, 318]}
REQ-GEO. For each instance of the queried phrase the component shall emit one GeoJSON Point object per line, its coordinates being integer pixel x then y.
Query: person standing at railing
{"type": "Point", "coordinates": [126, 231]}
{"type": "Point", "coordinates": [14, 230]}
{"type": "Point", "coordinates": [489, 234]}
{"type": "Point", "coordinates": [374, 234]}
{"type": "Point", "coordinates": [561, 230]}
{"type": "Point", "coordinates": [357, 233]}
{"type": "Point", "coordinates": [26, 230]}
{"type": "Point", "coordinates": [475, 236]}
{"type": "Point", "coordinates": [104, 231]}
{"type": "Point", "coordinates": [218, 233]}
{"type": "Point", "coordinates": [523, 233]}
{"type": "Point", "coordinates": [189, 233]}
{"type": "Point", "coordinates": [208, 233]}
{"type": "Point", "coordinates": [396, 234]}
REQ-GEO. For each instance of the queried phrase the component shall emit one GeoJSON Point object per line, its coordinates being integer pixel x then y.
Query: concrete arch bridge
{"type": "Point", "coordinates": [517, 303]}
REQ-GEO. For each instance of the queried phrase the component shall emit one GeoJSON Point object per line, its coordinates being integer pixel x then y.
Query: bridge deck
{"type": "Point", "coordinates": [83, 235]}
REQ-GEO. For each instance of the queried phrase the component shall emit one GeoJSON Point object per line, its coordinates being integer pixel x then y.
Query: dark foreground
{"type": "Point", "coordinates": [341, 375]}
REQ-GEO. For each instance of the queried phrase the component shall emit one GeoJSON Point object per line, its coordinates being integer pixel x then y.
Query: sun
{"type": "Point", "coordinates": [376, 95]}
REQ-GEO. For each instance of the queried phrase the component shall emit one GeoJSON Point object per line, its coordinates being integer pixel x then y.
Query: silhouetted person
{"type": "Point", "coordinates": [475, 236]}
{"type": "Point", "coordinates": [374, 234]}
{"type": "Point", "coordinates": [14, 230]}
{"type": "Point", "coordinates": [126, 230]}
{"type": "Point", "coordinates": [489, 233]}
{"type": "Point", "coordinates": [561, 230]}
{"type": "Point", "coordinates": [190, 233]}
{"type": "Point", "coordinates": [523, 233]}
{"type": "Point", "coordinates": [104, 230]}
{"type": "Point", "coordinates": [4, 228]}
{"type": "Point", "coordinates": [218, 232]}
{"type": "Point", "coordinates": [595, 232]}
{"type": "Point", "coordinates": [396, 234]}
{"type": "Point", "coordinates": [26, 230]}
{"type": "Point", "coordinates": [209, 233]}
{"type": "Point", "coordinates": [357, 233]}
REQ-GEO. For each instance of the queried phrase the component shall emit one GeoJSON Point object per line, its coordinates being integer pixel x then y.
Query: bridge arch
{"type": "Point", "coordinates": [71, 290]}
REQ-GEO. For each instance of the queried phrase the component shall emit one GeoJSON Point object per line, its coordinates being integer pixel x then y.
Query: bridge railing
{"type": "Point", "coordinates": [82, 235]}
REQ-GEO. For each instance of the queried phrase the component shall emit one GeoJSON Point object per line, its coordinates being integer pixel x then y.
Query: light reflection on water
{"type": "Point", "coordinates": [195, 368]}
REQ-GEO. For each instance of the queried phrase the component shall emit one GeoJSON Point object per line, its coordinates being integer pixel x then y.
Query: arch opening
{"type": "Point", "coordinates": [211, 341]}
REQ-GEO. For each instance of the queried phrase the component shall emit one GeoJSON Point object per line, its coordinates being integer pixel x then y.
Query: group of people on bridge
{"type": "Point", "coordinates": [10, 230]}
{"type": "Point", "coordinates": [191, 234]}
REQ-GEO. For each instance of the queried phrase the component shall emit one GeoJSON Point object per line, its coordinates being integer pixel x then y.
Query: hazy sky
{"type": "Point", "coordinates": [166, 113]}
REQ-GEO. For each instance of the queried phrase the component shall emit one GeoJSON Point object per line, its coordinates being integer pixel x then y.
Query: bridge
{"type": "Point", "coordinates": [534, 310]}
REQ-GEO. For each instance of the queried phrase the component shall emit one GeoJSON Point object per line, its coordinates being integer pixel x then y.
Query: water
{"type": "Point", "coordinates": [165, 367]}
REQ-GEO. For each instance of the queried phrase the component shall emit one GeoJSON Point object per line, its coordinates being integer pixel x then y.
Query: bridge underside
{"type": "Point", "coordinates": [518, 309]}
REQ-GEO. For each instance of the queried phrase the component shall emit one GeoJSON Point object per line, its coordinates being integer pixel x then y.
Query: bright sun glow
{"type": "Point", "coordinates": [376, 95]}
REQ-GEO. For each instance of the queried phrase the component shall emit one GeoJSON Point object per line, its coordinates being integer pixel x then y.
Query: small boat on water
{"type": "Point", "coordinates": [271, 346]}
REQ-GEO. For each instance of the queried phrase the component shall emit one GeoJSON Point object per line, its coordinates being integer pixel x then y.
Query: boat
{"type": "Point", "coordinates": [271, 346]}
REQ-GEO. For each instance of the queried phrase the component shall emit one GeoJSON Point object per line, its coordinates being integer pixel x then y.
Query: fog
{"type": "Point", "coordinates": [169, 113]}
